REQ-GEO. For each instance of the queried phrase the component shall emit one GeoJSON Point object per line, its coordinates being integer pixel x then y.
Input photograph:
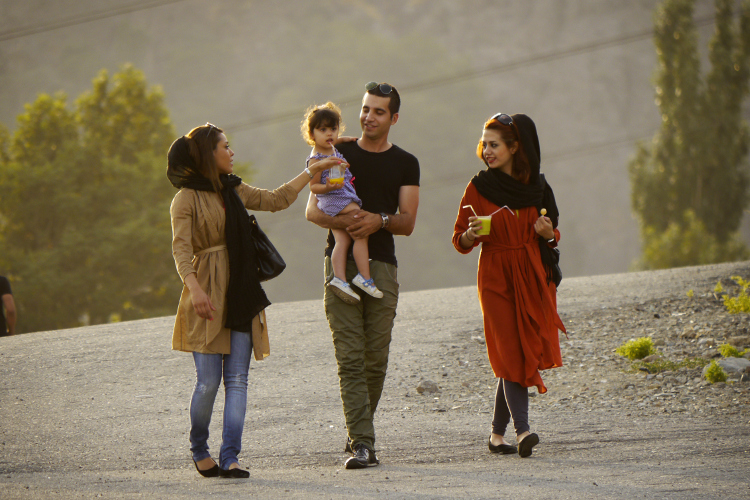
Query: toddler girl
{"type": "Point", "coordinates": [320, 129]}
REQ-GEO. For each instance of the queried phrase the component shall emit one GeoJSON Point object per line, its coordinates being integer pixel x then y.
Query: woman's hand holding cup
{"type": "Point", "coordinates": [470, 234]}
{"type": "Point", "coordinates": [480, 225]}
{"type": "Point", "coordinates": [327, 163]}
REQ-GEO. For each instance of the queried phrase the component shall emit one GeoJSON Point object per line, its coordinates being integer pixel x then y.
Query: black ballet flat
{"type": "Point", "coordinates": [236, 473]}
{"type": "Point", "coordinates": [527, 444]}
{"type": "Point", "coordinates": [505, 449]}
{"type": "Point", "coordinates": [212, 472]}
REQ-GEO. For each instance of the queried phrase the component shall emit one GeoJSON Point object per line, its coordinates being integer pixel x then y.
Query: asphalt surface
{"type": "Point", "coordinates": [102, 412]}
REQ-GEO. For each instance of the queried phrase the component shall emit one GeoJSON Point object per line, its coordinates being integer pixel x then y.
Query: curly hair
{"type": "Point", "coordinates": [325, 115]}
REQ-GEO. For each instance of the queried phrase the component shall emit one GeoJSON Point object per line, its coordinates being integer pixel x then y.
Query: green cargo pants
{"type": "Point", "coordinates": [361, 340]}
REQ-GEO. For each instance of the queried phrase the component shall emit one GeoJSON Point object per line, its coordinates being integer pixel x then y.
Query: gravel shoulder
{"type": "Point", "coordinates": [102, 411]}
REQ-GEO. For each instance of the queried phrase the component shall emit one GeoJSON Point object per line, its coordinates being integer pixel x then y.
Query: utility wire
{"type": "Point", "coordinates": [416, 87]}
{"type": "Point", "coordinates": [471, 75]}
{"type": "Point", "coordinates": [86, 18]}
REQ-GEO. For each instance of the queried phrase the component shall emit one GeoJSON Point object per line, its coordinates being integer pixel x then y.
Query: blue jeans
{"type": "Point", "coordinates": [208, 370]}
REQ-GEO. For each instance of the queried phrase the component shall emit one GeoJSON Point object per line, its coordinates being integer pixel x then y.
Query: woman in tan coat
{"type": "Point", "coordinates": [220, 318]}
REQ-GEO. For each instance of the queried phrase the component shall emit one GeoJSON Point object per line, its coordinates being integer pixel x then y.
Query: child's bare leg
{"type": "Point", "coordinates": [362, 257]}
{"type": "Point", "coordinates": [338, 255]}
{"type": "Point", "coordinates": [351, 207]}
{"type": "Point", "coordinates": [341, 248]}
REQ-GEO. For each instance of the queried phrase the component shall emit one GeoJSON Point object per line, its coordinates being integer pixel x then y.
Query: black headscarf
{"type": "Point", "coordinates": [245, 296]}
{"type": "Point", "coordinates": [504, 190]}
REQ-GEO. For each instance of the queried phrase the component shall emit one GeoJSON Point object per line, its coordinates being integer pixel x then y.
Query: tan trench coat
{"type": "Point", "coordinates": [199, 246]}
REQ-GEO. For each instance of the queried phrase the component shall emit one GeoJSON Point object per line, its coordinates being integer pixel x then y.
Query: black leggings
{"type": "Point", "coordinates": [511, 399]}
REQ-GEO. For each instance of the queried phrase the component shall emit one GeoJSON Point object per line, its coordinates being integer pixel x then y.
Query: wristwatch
{"type": "Point", "coordinates": [386, 220]}
{"type": "Point", "coordinates": [307, 171]}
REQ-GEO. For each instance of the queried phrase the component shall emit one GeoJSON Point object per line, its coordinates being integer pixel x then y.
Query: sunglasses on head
{"type": "Point", "coordinates": [503, 118]}
{"type": "Point", "coordinates": [384, 87]}
{"type": "Point", "coordinates": [210, 128]}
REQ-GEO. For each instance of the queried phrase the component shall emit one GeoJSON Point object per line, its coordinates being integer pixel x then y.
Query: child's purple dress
{"type": "Point", "coordinates": [333, 202]}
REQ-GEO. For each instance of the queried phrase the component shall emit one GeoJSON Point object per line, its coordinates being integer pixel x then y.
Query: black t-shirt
{"type": "Point", "coordinates": [378, 177]}
{"type": "Point", "coordinates": [4, 290]}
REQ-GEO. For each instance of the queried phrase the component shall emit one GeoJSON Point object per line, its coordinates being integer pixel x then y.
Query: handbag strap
{"type": "Point", "coordinates": [211, 249]}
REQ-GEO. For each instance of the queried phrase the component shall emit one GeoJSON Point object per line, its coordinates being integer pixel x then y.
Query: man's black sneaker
{"type": "Point", "coordinates": [363, 457]}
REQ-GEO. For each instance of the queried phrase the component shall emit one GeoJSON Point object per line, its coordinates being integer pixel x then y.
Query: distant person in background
{"type": "Point", "coordinates": [517, 295]}
{"type": "Point", "coordinates": [387, 182]}
{"type": "Point", "coordinates": [221, 315]}
{"type": "Point", "coordinates": [8, 316]}
{"type": "Point", "coordinates": [320, 129]}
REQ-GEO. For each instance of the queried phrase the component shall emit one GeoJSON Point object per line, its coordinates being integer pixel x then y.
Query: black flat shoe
{"type": "Point", "coordinates": [505, 449]}
{"type": "Point", "coordinates": [236, 473]}
{"type": "Point", "coordinates": [525, 446]}
{"type": "Point", "coordinates": [212, 472]}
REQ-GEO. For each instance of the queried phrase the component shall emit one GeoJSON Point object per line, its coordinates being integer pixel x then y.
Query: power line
{"type": "Point", "coordinates": [471, 75]}
{"type": "Point", "coordinates": [87, 18]}
{"type": "Point", "coordinates": [419, 86]}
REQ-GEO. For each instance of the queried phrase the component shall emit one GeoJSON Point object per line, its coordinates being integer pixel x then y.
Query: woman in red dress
{"type": "Point", "coordinates": [516, 291]}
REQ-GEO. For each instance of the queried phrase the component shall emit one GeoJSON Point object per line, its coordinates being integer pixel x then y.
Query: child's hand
{"type": "Point", "coordinates": [331, 186]}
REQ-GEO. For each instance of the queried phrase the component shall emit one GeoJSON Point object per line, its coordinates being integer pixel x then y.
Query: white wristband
{"type": "Point", "coordinates": [307, 171]}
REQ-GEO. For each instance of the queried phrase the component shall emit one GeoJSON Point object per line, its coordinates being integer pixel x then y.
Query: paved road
{"type": "Point", "coordinates": [102, 411]}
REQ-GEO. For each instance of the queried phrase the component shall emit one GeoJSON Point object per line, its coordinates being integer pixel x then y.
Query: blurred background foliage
{"type": "Point", "coordinates": [84, 198]}
{"type": "Point", "coordinates": [690, 185]}
{"type": "Point", "coordinates": [84, 220]}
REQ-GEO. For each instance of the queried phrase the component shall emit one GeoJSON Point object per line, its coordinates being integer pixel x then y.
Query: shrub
{"type": "Point", "coordinates": [715, 373]}
{"type": "Point", "coordinates": [687, 242]}
{"type": "Point", "coordinates": [729, 351]}
{"type": "Point", "coordinates": [690, 293]}
{"type": "Point", "coordinates": [740, 303]}
{"type": "Point", "coordinates": [718, 288]}
{"type": "Point", "coordinates": [666, 365]}
{"type": "Point", "coordinates": [636, 349]}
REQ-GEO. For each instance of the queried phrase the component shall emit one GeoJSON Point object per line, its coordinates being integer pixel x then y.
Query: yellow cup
{"type": "Point", "coordinates": [336, 175]}
{"type": "Point", "coordinates": [486, 224]}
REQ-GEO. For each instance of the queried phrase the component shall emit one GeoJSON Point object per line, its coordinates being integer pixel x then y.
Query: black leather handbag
{"type": "Point", "coordinates": [270, 263]}
{"type": "Point", "coordinates": [551, 261]}
{"type": "Point", "coordinates": [550, 256]}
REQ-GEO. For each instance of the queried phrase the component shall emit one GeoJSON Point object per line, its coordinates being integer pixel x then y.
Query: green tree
{"type": "Point", "coordinates": [84, 215]}
{"type": "Point", "coordinates": [694, 176]}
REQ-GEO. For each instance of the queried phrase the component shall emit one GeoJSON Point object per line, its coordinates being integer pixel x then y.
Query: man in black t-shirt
{"type": "Point", "coordinates": [386, 179]}
{"type": "Point", "coordinates": [7, 326]}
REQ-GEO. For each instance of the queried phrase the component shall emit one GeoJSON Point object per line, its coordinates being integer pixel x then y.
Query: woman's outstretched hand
{"type": "Point", "coordinates": [326, 163]}
{"type": "Point", "coordinates": [543, 227]}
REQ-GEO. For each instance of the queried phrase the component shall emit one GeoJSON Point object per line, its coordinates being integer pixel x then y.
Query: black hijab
{"type": "Point", "coordinates": [245, 296]}
{"type": "Point", "coordinates": [504, 190]}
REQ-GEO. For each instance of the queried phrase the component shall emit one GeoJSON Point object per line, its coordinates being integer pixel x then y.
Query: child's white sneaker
{"type": "Point", "coordinates": [344, 291]}
{"type": "Point", "coordinates": [368, 286]}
